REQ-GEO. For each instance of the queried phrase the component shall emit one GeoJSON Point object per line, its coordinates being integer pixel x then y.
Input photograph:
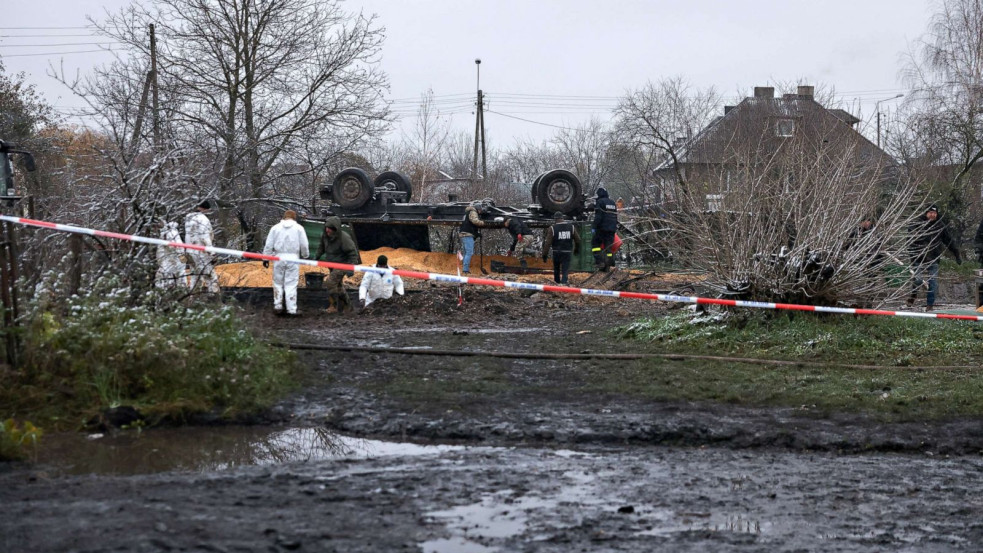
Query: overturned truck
{"type": "Point", "coordinates": [379, 211]}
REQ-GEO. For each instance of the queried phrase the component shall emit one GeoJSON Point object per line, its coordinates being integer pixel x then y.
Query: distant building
{"type": "Point", "coordinates": [767, 133]}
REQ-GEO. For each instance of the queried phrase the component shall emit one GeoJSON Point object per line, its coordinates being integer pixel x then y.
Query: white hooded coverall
{"type": "Point", "coordinates": [170, 268]}
{"type": "Point", "coordinates": [198, 231]}
{"type": "Point", "coordinates": [288, 240]}
{"type": "Point", "coordinates": [376, 286]}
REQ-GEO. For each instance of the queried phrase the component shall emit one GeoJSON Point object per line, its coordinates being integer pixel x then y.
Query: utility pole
{"type": "Point", "coordinates": [153, 75]}
{"type": "Point", "coordinates": [479, 131]}
{"type": "Point", "coordinates": [877, 108]}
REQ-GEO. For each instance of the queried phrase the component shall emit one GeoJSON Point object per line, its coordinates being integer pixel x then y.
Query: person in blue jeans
{"type": "Point", "coordinates": [931, 239]}
{"type": "Point", "coordinates": [468, 232]}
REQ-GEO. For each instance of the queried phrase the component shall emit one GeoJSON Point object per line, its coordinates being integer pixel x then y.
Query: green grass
{"type": "Point", "coordinates": [891, 392]}
{"type": "Point", "coordinates": [169, 362]}
{"type": "Point", "coordinates": [888, 341]}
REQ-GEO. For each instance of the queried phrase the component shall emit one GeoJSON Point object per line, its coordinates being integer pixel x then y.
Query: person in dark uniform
{"type": "Point", "coordinates": [604, 226]}
{"type": "Point", "coordinates": [337, 247]}
{"type": "Point", "coordinates": [931, 239]}
{"type": "Point", "coordinates": [564, 239]}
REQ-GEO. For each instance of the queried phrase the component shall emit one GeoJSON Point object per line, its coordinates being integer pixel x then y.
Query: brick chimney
{"type": "Point", "coordinates": [807, 92]}
{"type": "Point", "coordinates": [764, 92]}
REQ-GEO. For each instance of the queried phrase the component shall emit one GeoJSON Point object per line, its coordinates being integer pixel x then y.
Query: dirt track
{"type": "Point", "coordinates": [551, 469]}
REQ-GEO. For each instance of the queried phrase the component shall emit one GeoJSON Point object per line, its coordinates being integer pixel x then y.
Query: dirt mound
{"type": "Point", "coordinates": [252, 274]}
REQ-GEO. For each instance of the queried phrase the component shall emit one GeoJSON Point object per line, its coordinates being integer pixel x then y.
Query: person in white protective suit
{"type": "Point", "coordinates": [286, 240]}
{"type": "Point", "coordinates": [198, 231]}
{"type": "Point", "coordinates": [170, 265]}
{"type": "Point", "coordinates": [379, 285]}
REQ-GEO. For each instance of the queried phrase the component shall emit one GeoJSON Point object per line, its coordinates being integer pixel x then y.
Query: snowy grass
{"type": "Point", "coordinates": [101, 351]}
{"type": "Point", "coordinates": [892, 392]}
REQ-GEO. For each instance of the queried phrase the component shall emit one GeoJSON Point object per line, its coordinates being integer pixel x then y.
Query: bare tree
{"type": "Point", "coordinates": [426, 143]}
{"type": "Point", "coordinates": [259, 83]}
{"type": "Point", "coordinates": [944, 124]}
{"type": "Point", "coordinates": [658, 118]}
{"type": "Point", "coordinates": [584, 150]}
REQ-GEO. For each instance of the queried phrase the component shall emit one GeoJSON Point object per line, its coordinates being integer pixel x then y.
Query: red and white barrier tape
{"type": "Point", "coordinates": [490, 282]}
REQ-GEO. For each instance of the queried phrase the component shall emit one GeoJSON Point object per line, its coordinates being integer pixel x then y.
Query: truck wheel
{"type": "Point", "coordinates": [394, 180]}
{"type": "Point", "coordinates": [535, 187]}
{"type": "Point", "coordinates": [559, 190]}
{"type": "Point", "coordinates": [352, 188]}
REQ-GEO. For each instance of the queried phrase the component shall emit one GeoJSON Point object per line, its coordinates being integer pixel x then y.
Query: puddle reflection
{"type": "Point", "coordinates": [197, 449]}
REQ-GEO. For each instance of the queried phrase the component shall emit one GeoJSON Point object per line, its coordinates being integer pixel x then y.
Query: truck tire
{"type": "Point", "coordinates": [394, 180]}
{"type": "Point", "coordinates": [535, 187]}
{"type": "Point", "coordinates": [352, 188]}
{"type": "Point", "coordinates": [559, 190]}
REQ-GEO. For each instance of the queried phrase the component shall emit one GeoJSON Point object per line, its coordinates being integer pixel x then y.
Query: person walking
{"type": "Point", "coordinates": [931, 236]}
{"type": "Point", "coordinates": [522, 239]}
{"type": "Point", "coordinates": [337, 246]}
{"type": "Point", "coordinates": [288, 241]}
{"type": "Point", "coordinates": [468, 232]}
{"type": "Point", "coordinates": [563, 238]}
{"type": "Point", "coordinates": [379, 285]}
{"type": "Point", "coordinates": [198, 231]}
{"type": "Point", "coordinates": [604, 226]}
{"type": "Point", "coordinates": [170, 265]}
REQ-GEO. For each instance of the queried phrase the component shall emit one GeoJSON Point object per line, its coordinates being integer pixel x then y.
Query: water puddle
{"type": "Point", "coordinates": [197, 449]}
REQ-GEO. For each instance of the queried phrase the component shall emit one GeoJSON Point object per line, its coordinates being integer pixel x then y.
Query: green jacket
{"type": "Point", "coordinates": [338, 247]}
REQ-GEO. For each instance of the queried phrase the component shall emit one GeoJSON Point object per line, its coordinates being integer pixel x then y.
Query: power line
{"type": "Point", "coordinates": [531, 121]}
{"type": "Point", "coordinates": [47, 36]}
{"type": "Point", "coordinates": [58, 53]}
{"type": "Point", "coordinates": [42, 28]}
{"type": "Point", "coordinates": [59, 44]}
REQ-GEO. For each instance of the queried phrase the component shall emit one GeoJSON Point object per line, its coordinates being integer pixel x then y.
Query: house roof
{"type": "Point", "coordinates": [752, 122]}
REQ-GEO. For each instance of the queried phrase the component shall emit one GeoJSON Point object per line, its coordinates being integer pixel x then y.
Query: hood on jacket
{"type": "Point", "coordinates": [334, 224]}
{"type": "Point", "coordinates": [288, 223]}
{"type": "Point", "coordinates": [602, 192]}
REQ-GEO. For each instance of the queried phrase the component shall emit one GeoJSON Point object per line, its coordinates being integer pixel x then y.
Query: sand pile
{"type": "Point", "coordinates": [252, 274]}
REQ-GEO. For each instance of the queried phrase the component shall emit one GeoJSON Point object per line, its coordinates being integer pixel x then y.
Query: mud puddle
{"type": "Point", "coordinates": [208, 449]}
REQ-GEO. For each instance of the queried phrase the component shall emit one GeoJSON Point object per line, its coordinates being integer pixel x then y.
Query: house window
{"type": "Point", "coordinates": [785, 128]}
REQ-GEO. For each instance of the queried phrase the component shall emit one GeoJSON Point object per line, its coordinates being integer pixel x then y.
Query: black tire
{"type": "Point", "coordinates": [352, 188]}
{"type": "Point", "coordinates": [394, 180]}
{"type": "Point", "coordinates": [559, 190]}
{"type": "Point", "coordinates": [535, 187]}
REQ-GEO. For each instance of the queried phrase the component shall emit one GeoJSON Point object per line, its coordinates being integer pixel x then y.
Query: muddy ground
{"type": "Point", "coordinates": [546, 467]}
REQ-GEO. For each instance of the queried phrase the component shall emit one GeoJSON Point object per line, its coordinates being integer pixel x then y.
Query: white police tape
{"type": "Point", "coordinates": [438, 277]}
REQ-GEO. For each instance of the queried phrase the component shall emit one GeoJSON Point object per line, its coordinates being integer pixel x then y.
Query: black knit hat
{"type": "Point", "coordinates": [205, 205]}
{"type": "Point", "coordinates": [932, 207]}
{"type": "Point", "coordinates": [558, 215]}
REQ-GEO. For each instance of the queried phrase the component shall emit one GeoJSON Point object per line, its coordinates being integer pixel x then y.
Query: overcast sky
{"type": "Point", "coordinates": [558, 62]}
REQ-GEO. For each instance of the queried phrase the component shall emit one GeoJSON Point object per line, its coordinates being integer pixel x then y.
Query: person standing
{"type": "Point", "coordinates": [931, 236]}
{"type": "Point", "coordinates": [978, 244]}
{"type": "Point", "coordinates": [198, 231]}
{"type": "Point", "coordinates": [379, 285]}
{"type": "Point", "coordinates": [468, 232]}
{"type": "Point", "coordinates": [286, 240]}
{"type": "Point", "coordinates": [170, 266]}
{"type": "Point", "coordinates": [522, 239]}
{"type": "Point", "coordinates": [563, 238]}
{"type": "Point", "coordinates": [337, 246]}
{"type": "Point", "coordinates": [604, 226]}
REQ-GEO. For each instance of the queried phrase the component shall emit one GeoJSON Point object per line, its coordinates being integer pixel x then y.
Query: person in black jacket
{"type": "Point", "coordinates": [563, 238]}
{"type": "Point", "coordinates": [604, 226]}
{"type": "Point", "coordinates": [978, 244]}
{"type": "Point", "coordinates": [522, 240]}
{"type": "Point", "coordinates": [931, 237]}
